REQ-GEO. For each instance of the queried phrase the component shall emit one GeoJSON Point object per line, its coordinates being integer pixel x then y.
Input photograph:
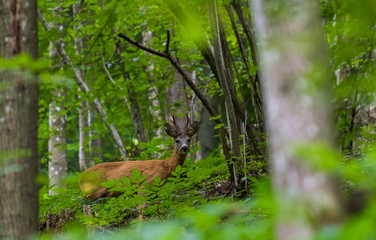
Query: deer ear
{"type": "Point", "coordinates": [193, 129]}
{"type": "Point", "coordinates": [170, 130]}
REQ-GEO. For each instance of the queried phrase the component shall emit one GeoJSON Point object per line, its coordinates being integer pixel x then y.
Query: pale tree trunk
{"type": "Point", "coordinates": [84, 157]}
{"type": "Point", "coordinates": [82, 124]}
{"type": "Point", "coordinates": [83, 86]}
{"type": "Point", "coordinates": [295, 87]}
{"type": "Point", "coordinates": [95, 144]}
{"type": "Point", "coordinates": [57, 165]}
{"type": "Point", "coordinates": [18, 123]}
{"type": "Point", "coordinates": [89, 147]}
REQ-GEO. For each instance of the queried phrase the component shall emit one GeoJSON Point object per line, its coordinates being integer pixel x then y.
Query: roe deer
{"type": "Point", "coordinates": [91, 178]}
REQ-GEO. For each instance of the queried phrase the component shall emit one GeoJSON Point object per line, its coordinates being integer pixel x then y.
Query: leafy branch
{"type": "Point", "coordinates": [85, 89]}
{"type": "Point", "coordinates": [167, 55]}
{"type": "Point", "coordinates": [174, 61]}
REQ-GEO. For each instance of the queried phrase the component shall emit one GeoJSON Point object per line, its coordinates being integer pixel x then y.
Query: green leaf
{"type": "Point", "coordinates": [216, 117]}
{"type": "Point", "coordinates": [136, 174]}
{"type": "Point", "coordinates": [157, 180]}
{"type": "Point", "coordinates": [126, 181]}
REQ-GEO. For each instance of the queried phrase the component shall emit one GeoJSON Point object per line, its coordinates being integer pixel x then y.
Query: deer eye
{"type": "Point", "coordinates": [188, 140]}
{"type": "Point", "coordinates": [177, 141]}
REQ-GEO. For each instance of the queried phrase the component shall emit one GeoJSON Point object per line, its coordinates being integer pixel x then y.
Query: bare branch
{"type": "Point", "coordinates": [180, 69]}
{"type": "Point", "coordinates": [140, 46]}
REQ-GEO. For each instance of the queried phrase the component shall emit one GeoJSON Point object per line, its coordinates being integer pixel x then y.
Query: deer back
{"type": "Point", "coordinates": [91, 178]}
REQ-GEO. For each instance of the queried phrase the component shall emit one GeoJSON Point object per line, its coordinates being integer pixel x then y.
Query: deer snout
{"type": "Point", "coordinates": [184, 149]}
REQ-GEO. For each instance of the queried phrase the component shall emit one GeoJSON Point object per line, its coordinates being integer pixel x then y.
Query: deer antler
{"type": "Point", "coordinates": [176, 126]}
{"type": "Point", "coordinates": [91, 179]}
{"type": "Point", "coordinates": [187, 123]}
{"type": "Point", "coordinates": [190, 129]}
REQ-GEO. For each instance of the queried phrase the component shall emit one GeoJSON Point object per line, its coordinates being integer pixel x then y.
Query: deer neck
{"type": "Point", "coordinates": [174, 160]}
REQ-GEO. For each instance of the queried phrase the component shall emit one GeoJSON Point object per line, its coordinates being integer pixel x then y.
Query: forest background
{"type": "Point", "coordinates": [284, 92]}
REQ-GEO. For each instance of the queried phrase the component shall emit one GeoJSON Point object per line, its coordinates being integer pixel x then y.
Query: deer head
{"type": "Point", "coordinates": [182, 137]}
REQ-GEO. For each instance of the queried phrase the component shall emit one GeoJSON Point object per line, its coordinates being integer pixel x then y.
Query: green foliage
{"type": "Point", "coordinates": [319, 156]}
{"type": "Point", "coordinates": [23, 62]}
{"type": "Point", "coordinates": [185, 191]}
{"type": "Point", "coordinates": [351, 38]}
{"type": "Point", "coordinates": [182, 200]}
{"type": "Point", "coordinates": [153, 147]}
{"type": "Point", "coordinates": [178, 208]}
{"type": "Point", "coordinates": [163, 198]}
{"type": "Point", "coordinates": [214, 221]}
{"type": "Point", "coordinates": [63, 198]}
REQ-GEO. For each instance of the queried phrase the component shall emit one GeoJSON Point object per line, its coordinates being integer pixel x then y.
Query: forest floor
{"type": "Point", "coordinates": [55, 223]}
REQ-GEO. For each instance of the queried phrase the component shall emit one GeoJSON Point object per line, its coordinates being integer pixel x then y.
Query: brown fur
{"type": "Point", "coordinates": [91, 178]}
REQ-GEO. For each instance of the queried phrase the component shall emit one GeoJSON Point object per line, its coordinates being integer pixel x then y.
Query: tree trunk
{"type": "Point", "coordinates": [224, 75]}
{"type": "Point", "coordinates": [253, 79]}
{"type": "Point", "coordinates": [207, 50]}
{"type": "Point", "coordinates": [195, 89]}
{"type": "Point", "coordinates": [95, 144]}
{"type": "Point", "coordinates": [85, 146]}
{"type": "Point", "coordinates": [83, 86]}
{"type": "Point", "coordinates": [57, 144]}
{"type": "Point", "coordinates": [295, 87]}
{"type": "Point", "coordinates": [18, 123]}
{"type": "Point", "coordinates": [85, 159]}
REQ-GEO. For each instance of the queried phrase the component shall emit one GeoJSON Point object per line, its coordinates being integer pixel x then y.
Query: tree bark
{"type": "Point", "coordinates": [81, 83]}
{"type": "Point", "coordinates": [18, 123]}
{"type": "Point", "coordinates": [85, 159]}
{"type": "Point", "coordinates": [256, 98]}
{"type": "Point", "coordinates": [224, 79]}
{"type": "Point", "coordinates": [298, 115]}
{"type": "Point", "coordinates": [207, 50]}
{"type": "Point", "coordinates": [57, 165]}
{"type": "Point", "coordinates": [166, 54]}
{"type": "Point", "coordinates": [86, 141]}
{"type": "Point", "coordinates": [236, 4]}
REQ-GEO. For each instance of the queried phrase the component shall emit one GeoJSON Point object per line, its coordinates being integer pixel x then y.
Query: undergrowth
{"type": "Point", "coordinates": [183, 208]}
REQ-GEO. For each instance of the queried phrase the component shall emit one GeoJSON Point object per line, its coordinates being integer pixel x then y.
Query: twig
{"type": "Point", "coordinates": [189, 81]}
{"type": "Point", "coordinates": [112, 54]}
{"type": "Point", "coordinates": [85, 89]}
{"type": "Point", "coordinates": [180, 69]}
{"type": "Point", "coordinates": [113, 81]}
{"type": "Point", "coordinates": [140, 46]}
